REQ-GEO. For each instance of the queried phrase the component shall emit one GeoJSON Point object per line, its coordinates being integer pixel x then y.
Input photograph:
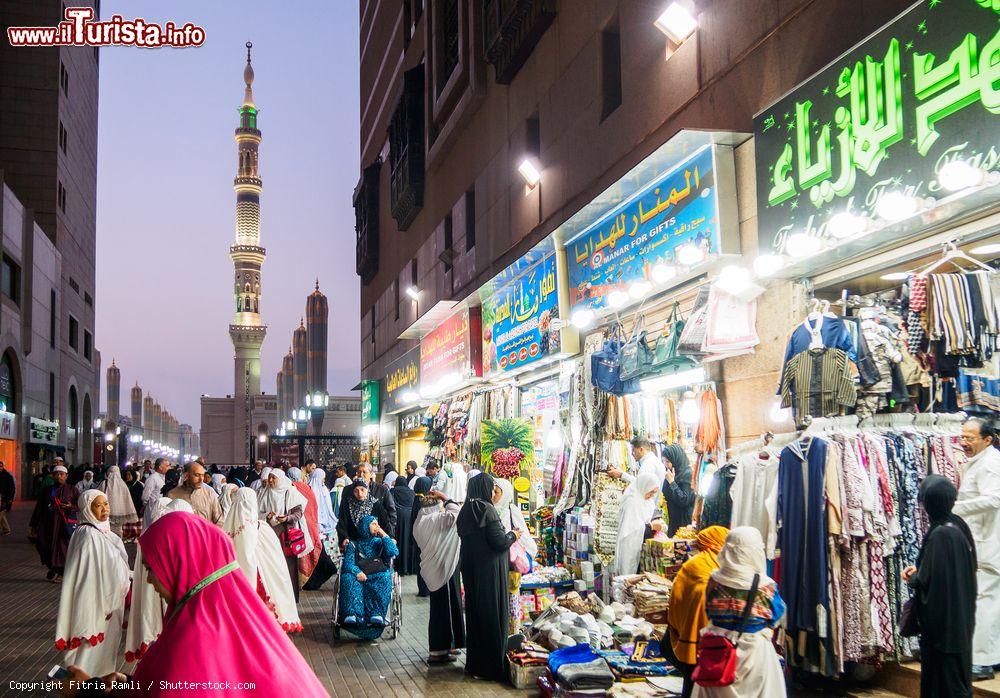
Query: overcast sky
{"type": "Point", "coordinates": [166, 206]}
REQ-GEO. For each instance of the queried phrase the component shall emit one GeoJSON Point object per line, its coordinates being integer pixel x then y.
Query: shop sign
{"type": "Point", "coordinates": [452, 352]}
{"type": "Point", "coordinates": [402, 381]}
{"type": "Point", "coordinates": [41, 431]}
{"type": "Point", "coordinates": [369, 402]}
{"type": "Point", "coordinates": [885, 117]}
{"type": "Point", "coordinates": [675, 208]}
{"type": "Point", "coordinates": [517, 319]}
{"type": "Point", "coordinates": [8, 425]}
{"type": "Point", "coordinates": [6, 389]}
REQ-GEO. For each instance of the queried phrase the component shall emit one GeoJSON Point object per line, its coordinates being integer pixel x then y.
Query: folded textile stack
{"type": "Point", "coordinates": [579, 668]}
{"type": "Point", "coordinates": [637, 661]}
{"type": "Point", "coordinates": [651, 596]}
{"type": "Point", "coordinates": [666, 557]}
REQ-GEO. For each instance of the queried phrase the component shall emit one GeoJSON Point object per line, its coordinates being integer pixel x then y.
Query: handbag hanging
{"type": "Point", "coordinates": [636, 356]}
{"type": "Point", "coordinates": [716, 663]}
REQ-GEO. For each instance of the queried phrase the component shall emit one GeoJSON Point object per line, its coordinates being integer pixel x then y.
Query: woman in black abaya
{"type": "Point", "coordinates": [484, 564]}
{"type": "Point", "coordinates": [944, 586]}
{"type": "Point", "coordinates": [404, 496]}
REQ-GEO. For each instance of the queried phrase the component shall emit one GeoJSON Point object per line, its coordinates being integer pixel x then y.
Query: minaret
{"type": "Point", "coordinates": [114, 392]}
{"type": "Point", "coordinates": [299, 361]}
{"type": "Point", "coordinates": [317, 317]}
{"type": "Point", "coordinates": [247, 330]}
{"type": "Point", "coordinates": [147, 419]}
{"type": "Point", "coordinates": [280, 392]}
{"type": "Point", "coordinates": [288, 371]}
{"type": "Point", "coordinates": [137, 408]}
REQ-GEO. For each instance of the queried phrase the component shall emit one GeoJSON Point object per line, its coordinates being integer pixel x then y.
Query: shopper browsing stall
{"type": "Point", "coordinates": [645, 456]}
{"type": "Point", "coordinates": [434, 530]}
{"type": "Point", "coordinates": [677, 489]}
{"type": "Point", "coordinates": [638, 508]}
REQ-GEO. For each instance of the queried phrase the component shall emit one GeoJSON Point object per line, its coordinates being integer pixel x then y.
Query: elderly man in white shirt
{"type": "Point", "coordinates": [151, 490]}
{"type": "Point", "coordinates": [645, 456]}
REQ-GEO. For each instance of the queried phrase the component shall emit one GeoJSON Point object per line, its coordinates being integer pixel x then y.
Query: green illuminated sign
{"type": "Point", "coordinates": [369, 402]}
{"type": "Point", "coordinates": [885, 117]}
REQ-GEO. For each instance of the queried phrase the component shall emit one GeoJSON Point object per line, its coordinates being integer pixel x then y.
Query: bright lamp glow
{"type": "Point", "coordinates": [676, 22]}
{"type": "Point", "coordinates": [689, 254]}
{"type": "Point", "coordinates": [553, 439]}
{"type": "Point", "coordinates": [409, 396]}
{"type": "Point", "coordinates": [895, 276]}
{"type": "Point", "coordinates": [992, 248]}
{"type": "Point", "coordinates": [662, 273]}
{"type": "Point", "coordinates": [530, 172]}
{"type": "Point", "coordinates": [689, 413]}
{"type": "Point", "coordinates": [845, 224]}
{"type": "Point", "coordinates": [768, 265]}
{"type": "Point", "coordinates": [895, 206]}
{"type": "Point", "coordinates": [582, 319]}
{"type": "Point", "coordinates": [413, 292]}
{"type": "Point", "coordinates": [959, 174]}
{"type": "Point", "coordinates": [109, 437]}
{"type": "Point", "coordinates": [800, 245]}
{"type": "Point", "coordinates": [617, 299]}
{"type": "Point", "coordinates": [734, 279]}
{"type": "Point", "coordinates": [673, 380]}
{"type": "Point", "coordinates": [639, 289]}
{"type": "Point", "coordinates": [262, 438]}
{"type": "Point", "coordinates": [309, 400]}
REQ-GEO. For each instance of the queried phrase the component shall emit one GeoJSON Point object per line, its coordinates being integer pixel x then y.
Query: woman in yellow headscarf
{"type": "Point", "coordinates": [686, 615]}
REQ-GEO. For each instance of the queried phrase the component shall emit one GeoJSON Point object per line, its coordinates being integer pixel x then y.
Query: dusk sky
{"type": "Point", "coordinates": [166, 206]}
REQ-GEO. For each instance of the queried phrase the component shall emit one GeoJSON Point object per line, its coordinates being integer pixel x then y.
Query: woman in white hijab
{"type": "Point", "coordinates": [92, 600]}
{"type": "Point", "coordinates": [434, 531]}
{"type": "Point", "coordinates": [145, 615]}
{"type": "Point", "coordinates": [417, 474]}
{"type": "Point", "coordinates": [452, 480]}
{"type": "Point", "coordinates": [511, 516]}
{"type": "Point", "coordinates": [758, 672]}
{"type": "Point", "coordinates": [218, 482]}
{"type": "Point", "coordinates": [327, 520]}
{"type": "Point", "coordinates": [87, 483]}
{"type": "Point", "coordinates": [226, 498]}
{"type": "Point", "coordinates": [261, 484]}
{"type": "Point", "coordinates": [258, 552]}
{"type": "Point", "coordinates": [120, 499]}
{"type": "Point", "coordinates": [638, 507]}
{"type": "Point", "coordinates": [283, 507]}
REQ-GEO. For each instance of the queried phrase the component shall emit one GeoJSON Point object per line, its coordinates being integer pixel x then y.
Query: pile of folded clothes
{"type": "Point", "coordinates": [637, 661]}
{"type": "Point", "coordinates": [527, 662]}
{"type": "Point", "coordinates": [651, 596]}
{"type": "Point", "coordinates": [576, 671]}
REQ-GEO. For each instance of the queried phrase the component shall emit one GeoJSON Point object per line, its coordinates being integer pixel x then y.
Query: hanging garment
{"type": "Point", "coordinates": [818, 384]}
{"type": "Point", "coordinates": [755, 495]}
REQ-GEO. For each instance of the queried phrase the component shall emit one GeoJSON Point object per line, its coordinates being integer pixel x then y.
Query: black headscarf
{"type": "Point", "coordinates": [938, 495]}
{"type": "Point", "coordinates": [678, 458]}
{"type": "Point", "coordinates": [402, 494]}
{"type": "Point", "coordinates": [679, 495]}
{"type": "Point", "coordinates": [478, 505]}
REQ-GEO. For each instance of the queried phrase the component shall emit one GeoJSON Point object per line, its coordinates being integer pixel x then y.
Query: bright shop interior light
{"type": "Point", "coordinates": [689, 254]}
{"type": "Point", "coordinates": [673, 380]}
{"type": "Point", "coordinates": [689, 413]}
{"type": "Point", "coordinates": [895, 206]}
{"type": "Point", "coordinates": [895, 276]}
{"type": "Point", "coordinates": [617, 299]}
{"type": "Point", "coordinates": [582, 319]}
{"type": "Point", "coordinates": [662, 273]}
{"type": "Point", "coordinates": [553, 439]}
{"type": "Point", "coordinates": [845, 224]}
{"type": "Point", "coordinates": [768, 265]}
{"type": "Point", "coordinates": [734, 279]}
{"type": "Point", "coordinates": [413, 292]}
{"type": "Point", "coordinates": [409, 396]}
{"type": "Point", "coordinates": [676, 22]}
{"type": "Point", "coordinates": [800, 245]}
{"type": "Point", "coordinates": [992, 248]}
{"type": "Point", "coordinates": [639, 289]}
{"type": "Point", "coordinates": [958, 174]}
{"type": "Point", "coordinates": [530, 172]}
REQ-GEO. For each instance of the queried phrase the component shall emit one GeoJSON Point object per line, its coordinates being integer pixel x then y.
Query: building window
{"type": "Point", "coordinates": [413, 272]}
{"type": "Point", "coordinates": [533, 137]}
{"type": "Point", "coordinates": [64, 79]}
{"type": "Point", "coordinates": [366, 222]}
{"type": "Point", "coordinates": [10, 280]}
{"type": "Point", "coordinates": [511, 30]}
{"type": "Point", "coordinates": [88, 344]}
{"type": "Point", "coordinates": [406, 150]}
{"type": "Point", "coordinates": [448, 254]}
{"type": "Point", "coordinates": [52, 319]}
{"type": "Point", "coordinates": [88, 299]}
{"type": "Point", "coordinates": [470, 220]}
{"type": "Point", "coordinates": [447, 42]}
{"type": "Point", "coordinates": [61, 196]}
{"type": "Point", "coordinates": [611, 69]}
{"type": "Point", "coordinates": [74, 332]}
{"type": "Point", "coordinates": [52, 397]}
{"type": "Point", "coordinates": [74, 285]}
{"type": "Point", "coordinates": [62, 137]}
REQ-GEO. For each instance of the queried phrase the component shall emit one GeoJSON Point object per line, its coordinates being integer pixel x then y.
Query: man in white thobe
{"type": "Point", "coordinates": [151, 490]}
{"type": "Point", "coordinates": [645, 456]}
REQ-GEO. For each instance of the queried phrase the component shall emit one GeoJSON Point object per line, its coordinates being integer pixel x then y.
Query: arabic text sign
{"type": "Point", "coordinates": [369, 402]}
{"type": "Point", "coordinates": [448, 350]}
{"type": "Point", "coordinates": [402, 376]}
{"type": "Point", "coordinates": [517, 319]}
{"type": "Point", "coordinates": [884, 117]}
{"type": "Point", "coordinates": [42, 431]}
{"type": "Point", "coordinates": [623, 245]}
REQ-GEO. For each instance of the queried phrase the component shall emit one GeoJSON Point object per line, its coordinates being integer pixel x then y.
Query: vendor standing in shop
{"type": "Point", "coordinates": [677, 487]}
{"type": "Point", "coordinates": [642, 451]}
{"type": "Point", "coordinates": [979, 504]}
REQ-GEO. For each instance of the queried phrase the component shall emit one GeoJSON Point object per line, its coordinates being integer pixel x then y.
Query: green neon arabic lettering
{"type": "Point", "coordinates": [811, 171]}
{"type": "Point", "coordinates": [876, 95]}
{"type": "Point", "coordinates": [784, 183]}
{"type": "Point", "coordinates": [990, 5]}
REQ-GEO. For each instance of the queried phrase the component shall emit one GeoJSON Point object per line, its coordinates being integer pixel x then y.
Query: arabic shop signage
{"type": "Point", "coordinates": [622, 246]}
{"type": "Point", "coordinates": [517, 319]}
{"type": "Point", "coordinates": [42, 431]}
{"type": "Point", "coordinates": [8, 425]}
{"type": "Point", "coordinates": [402, 381]}
{"type": "Point", "coordinates": [885, 117]}
{"type": "Point", "coordinates": [369, 402]}
{"type": "Point", "coordinates": [452, 352]}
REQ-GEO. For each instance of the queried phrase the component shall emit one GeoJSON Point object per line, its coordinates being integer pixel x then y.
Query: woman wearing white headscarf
{"type": "Point", "coordinates": [324, 507]}
{"type": "Point", "coordinates": [452, 480]}
{"type": "Point", "coordinates": [511, 516]}
{"type": "Point", "coordinates": [758, 670]}
{"type": "Point", "coordinates": [120, 499]}
{"type": "Point", "coordinates": [218, 482]}
{"type": "Point", "coordinates": [260, 484]}
{"type": "Point", "coordinates": [258, 552]}
{"type": "Point", "coordinates": [638, 507]}
{"type": "Point", "coordinates": [145, 615]}
{"type": "Point", "coordinates": [95, 582]}
{"type": "Point", "coordinates": [283, 507]}
{"type": "Point", "coordinates": [417, 474]}
{"type": "Point", "coordinates": [226, 498]}
{"type": "Point", "coordinates": [87, 483]}
{"type": "Point", "coordinates": [434, 531]}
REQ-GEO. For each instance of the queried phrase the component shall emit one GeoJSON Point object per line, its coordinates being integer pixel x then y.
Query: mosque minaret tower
{"type": "Point", "coordinates": [247, 329]}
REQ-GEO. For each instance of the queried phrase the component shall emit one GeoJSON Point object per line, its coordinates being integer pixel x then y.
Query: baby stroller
{"type": "Point", "coordinates": [393, 619]}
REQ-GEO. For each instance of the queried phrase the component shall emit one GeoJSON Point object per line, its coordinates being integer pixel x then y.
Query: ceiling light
{"type": "Point", "coordinates": [617, 299]}
{"type": "Point", "coordinates": [689, 412]}
{"type": "Point", "coordinates": [895, 206]}
{"type": "Point", "coordinates": [959, 174]}
{"type": "Point", "coordinates": [529, 170]}
{"type": "Point", "coordinates": [676, 22]}
{"type": "Point", "coordinates": [582, 319]}
{"type": "Point", "coordinates": [413, 292]}
{"type": "Point", "coordinates": [639, 289]}
{"type": "Point", "coordinates": [662, 273]}
{"type": "Point", "coordinates": [673, 380]}
{"type": "Point", "coordinates": [733, 279]}
{"type": "Point", "coordinates": [689, 254]}
{"type": "Point", "coordinates": [992, 248]}
{"type": "Point", "coordinates": [845, 224]}
{"type": "Point", "coordinates": [800, 245]}
{"type": "Point", "coordinates": [895, 276]}
{"type": "Point", "coordinates": [768, 265]}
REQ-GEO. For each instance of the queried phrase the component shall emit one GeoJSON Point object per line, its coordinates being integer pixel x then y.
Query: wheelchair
{"type": "Point", "coordinates": [394, 617]}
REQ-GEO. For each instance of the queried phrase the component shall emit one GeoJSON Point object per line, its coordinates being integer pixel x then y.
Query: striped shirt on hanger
{"type": "Point", "coordinates": [818, 384]}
